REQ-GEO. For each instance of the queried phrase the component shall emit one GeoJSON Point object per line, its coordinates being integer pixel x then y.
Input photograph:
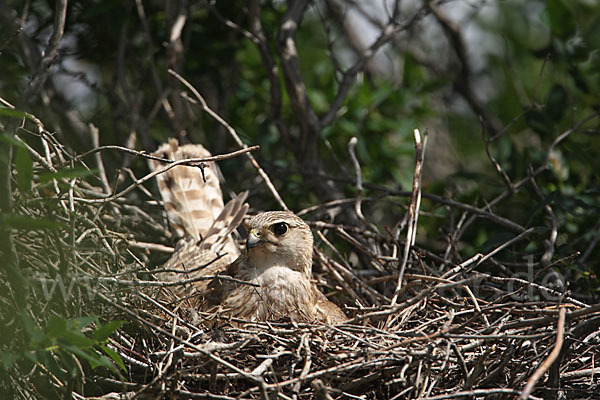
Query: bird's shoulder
{"type": "Point", "coordinates": [327, 311]}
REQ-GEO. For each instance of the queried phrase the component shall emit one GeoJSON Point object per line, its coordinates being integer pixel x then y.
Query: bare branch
{"type": "Point", "coordinates": [359, 186]}
{"type": "Point", "coordinates": [187, 162]}
{"type": "Point", "coordinates": [413, 209]}
{"type": "Point", "coordinates": [387, 34]}
{"type": "Point", "coordinates": [235, 136]}
{"type": "Point", "coordinates": [50, 53]}
{"type": "Point", "coordinates": [541, 370]}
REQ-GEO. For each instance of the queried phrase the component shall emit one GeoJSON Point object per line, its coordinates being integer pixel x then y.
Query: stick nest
{"type": "Point", "coordinates": [453, 332]}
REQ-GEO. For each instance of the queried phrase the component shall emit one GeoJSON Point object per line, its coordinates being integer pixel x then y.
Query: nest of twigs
{"type": "Point", "coordinates": [448, 332]}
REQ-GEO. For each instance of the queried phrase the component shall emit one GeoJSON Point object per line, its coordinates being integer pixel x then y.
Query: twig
{"type": "Point", "coordinates": [152, 246]}
{"type": "Point", "coordinates": [440, 199]}
{"type": "Point", "coordinates": [387, 33]}
{"type": "Point", "coordinates": [167, 283]}
{"type": "Point", "coordinates": [235, 136]}
{"type": "Point", "coordinates": [477, 392]}
{"type": "Point", "coordinates": [190, 162]}
{"type": "Point", "coordinates": [495, 163]}
{"type": "Point", "coordinates": [271, 68]}
{"type": "Point", "coordinates": [541, 370]}
{"type": "Point", "coordinates": [96, 142]}
{"type": "Point", "coordinates": [183, 341]}
{"type": "Point", "coordinates": [50, 53]}
{"type": "Point", "coordinates": [359, 186]}
{"type": "Point", "coordinates": [539, 169]}
{"type": "Point", "coordinates": [413, 210]}
{"type": "Point", "coordinates": [462, 83]}
{"type": "Point", "coordinates": [591, 246]}
{"type": "Point", "coordinates": [479, 258]}
{"type": "Point", "coordinates": [266, 364]}
{"type": "Point", "coordinates": [187, 161]}
{"type": "Point", "coordinates": [551, 241]}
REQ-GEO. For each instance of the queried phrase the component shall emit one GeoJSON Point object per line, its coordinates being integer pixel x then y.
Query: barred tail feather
{"type": "Point", "coordinates": [192, 204]}
{"type": "Point", "coordinates": [196, 212]}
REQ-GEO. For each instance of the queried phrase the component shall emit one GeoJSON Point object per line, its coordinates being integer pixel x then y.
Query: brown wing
{"type": "Point", "coordinates": [218, 238]}
{"type": "Point", "coordinates": [327, 312]}
{"type": "Point", "coordinates": [195, 209]}
{"type": "Point", "coordinates": [210, 255]}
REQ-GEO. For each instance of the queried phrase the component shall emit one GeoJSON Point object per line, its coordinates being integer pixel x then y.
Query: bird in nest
{"type": "Point", "coordinates": [269, 280]}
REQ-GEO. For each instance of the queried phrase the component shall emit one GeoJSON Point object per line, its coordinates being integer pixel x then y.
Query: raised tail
{"type": "Point", "coordinates": [192, 205]}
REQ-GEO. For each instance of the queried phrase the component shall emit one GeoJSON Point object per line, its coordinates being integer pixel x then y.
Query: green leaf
{"type": "Point", "coordinates": [91, 357]}
{"type": "Point", "coordinates": [591, 35]}
{"type": "Point", "coordinates": [9, 139]}
{"type": "Point", "coordinates": [556, 103]}
{"type": "Point", "coordinates": [539, 122]}
{"type": "Point", "coordinates": [495, 241]}
{"type": "Point", "coordinates": [24, 167]}
{"type": "Point", "coordinates": [31, 356]}
{"type": "Point", "coordinates": [24, 222]}
{"type": "Point", "coordinates": [318, 100]}
{"type": "Point", "coordinates": [105, 361]}
{"type": "Point", "coordinates": [78, 339]}
{"type": "Point", "coordinates": [115, 357]}
{"type": "Point", "coordinates": [67, 361]}
{"type": "Point", "coordinates": [33, 332]}
{"type": "Point", "coordinates": [82, 322]}
{"type": "Point", "coordinates": [9, 358]}
{"type": "Point", "coordinates": [47, 359]}
{"type": "Point", "coordinates": [561, 20]}
{"type": "Point", "coordinates": [9, 112]}
{"type": "Point", "coordinates": [540, 206]}
{"type": "Point", "coordinates": [67, 174]}
{"type": "Point", "coordinates": [103, 332]}
{"type": "Point", "coordinates": [56, 327]}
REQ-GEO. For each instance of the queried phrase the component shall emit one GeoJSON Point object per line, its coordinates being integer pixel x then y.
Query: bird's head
{"type": "Point", "coordinates": [280, 238]}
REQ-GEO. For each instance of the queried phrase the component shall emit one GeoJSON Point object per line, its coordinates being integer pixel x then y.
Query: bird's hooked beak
{"type": "Point", "coordinates": [253, 239]}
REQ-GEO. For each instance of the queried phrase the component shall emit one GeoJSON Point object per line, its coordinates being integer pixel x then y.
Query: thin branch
{"type": "Point", "coordinates": [173, 164]}
{"type": "Point", "coordinates": [359, 186]}
{"type": "Point", "coordinates": [495, 163]}
{"type": "Point", "coordinates": [539, 169]}
{"type": "Point", "coordinates": [271, 68]}
{"type": "Point", "coordinates": [462, 82]}
{"type": "Point", "coordinates": [480, 258]}
{"type": "Point", "coordinates": [191, 162]}
{"type": "Point", "coordinates": [96, 142]}
{"type": "Point", "coordinates": [387, 34]}
{"type": "Point", "coordinates": [234, 135]}
{"type": "Point", "coordinates": [309, 123]}
{"type": "Point", "coordinates": [179, 340]}
{"type": "Point", "coordinates": [541, 370]}
{"type": "Point", "coordinates": [50, 53]}
{"type": "Point", "coordinates": [413, 210]}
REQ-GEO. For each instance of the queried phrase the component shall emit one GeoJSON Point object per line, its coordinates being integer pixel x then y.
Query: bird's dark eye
{"type": "Point", "coordinates": [279, 228]}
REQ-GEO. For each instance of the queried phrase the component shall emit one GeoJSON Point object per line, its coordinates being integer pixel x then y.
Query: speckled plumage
{"type": "Point", "coordinates": [278, 265]}
{"type": "Point", "coordinates": [281, 269]}
{"type": "Point", "coordinates": [198, 216]}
